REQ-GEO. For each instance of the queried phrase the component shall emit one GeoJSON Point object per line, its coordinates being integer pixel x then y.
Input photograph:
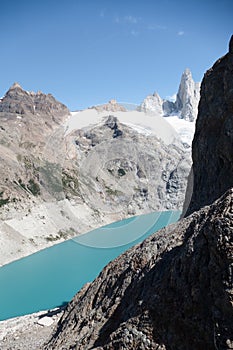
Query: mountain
{"type": "Point", "coordinates": [174, 290]}
{"type": "Point", "coordinates": [66, 173]}
{"type": "Point", "coordinates": [27, 121]}
{"type": "Point", "coordinates": [186, 103]}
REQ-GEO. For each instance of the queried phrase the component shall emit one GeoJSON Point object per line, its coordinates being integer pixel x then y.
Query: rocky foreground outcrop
{"type": "Point", "coordinates": [175, 290]}
{"type": "Point", "coordinates": [212, 148]}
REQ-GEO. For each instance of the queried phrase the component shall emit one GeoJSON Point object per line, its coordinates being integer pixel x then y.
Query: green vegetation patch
{"type": "Point", "coordinates": [31, 187]}
{"type": "Point", "coordinates": [112, 192]}
{"type": "Point", "coordinates": [50, 175]}
{"type": "Point", "coordinates": [121, 172]}
{"type": "Point", "coordinates": [61, 234]}
{"type": "Point", "coordinates": [70, 182]}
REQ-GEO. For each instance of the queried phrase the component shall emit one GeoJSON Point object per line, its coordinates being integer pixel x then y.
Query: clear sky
{"type": "Point", "coordinates": [86, 52]}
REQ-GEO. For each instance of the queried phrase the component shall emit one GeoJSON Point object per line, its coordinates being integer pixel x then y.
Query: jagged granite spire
{"type": "Point", "coordinates": [188, 97]}
{"type": "Point", "coordinates": [186, 103]}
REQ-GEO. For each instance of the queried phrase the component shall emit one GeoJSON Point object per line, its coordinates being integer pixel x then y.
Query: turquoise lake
{"type": "Point", "coordinates": [51, 277]}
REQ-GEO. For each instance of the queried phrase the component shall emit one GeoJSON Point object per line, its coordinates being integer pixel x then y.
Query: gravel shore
{"type": "Point", "coordinates": [28, 332]}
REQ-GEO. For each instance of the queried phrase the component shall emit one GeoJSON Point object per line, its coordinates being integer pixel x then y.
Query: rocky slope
{"type": "Point", "coordinates": [186, 103]}
{"type": "Point", "coordinates": [126, 172]}
{"type": "Point", "coordinates": [213, 141]}
{"type": "Point", "coordinates": [173, 291]}
{"type": "Point", "coordinates": [27, 120]}
{"type": "Point", "coordinates": [28, 123]}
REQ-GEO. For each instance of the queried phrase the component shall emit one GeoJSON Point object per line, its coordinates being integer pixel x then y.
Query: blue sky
{"type": "Point", "coordinates": [87, 52]}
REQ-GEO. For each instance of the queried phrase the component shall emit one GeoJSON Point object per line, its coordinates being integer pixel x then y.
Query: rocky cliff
{"type": "Point", "coordinates": [173, 291]}
{"type": "Point", "coordinates": [212, 149]}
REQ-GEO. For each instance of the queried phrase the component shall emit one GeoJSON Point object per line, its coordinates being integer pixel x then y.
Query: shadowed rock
{"type": "Point", "coordinates": [173, 291]}
{"type": "Point", "coordinates": [212, 148]}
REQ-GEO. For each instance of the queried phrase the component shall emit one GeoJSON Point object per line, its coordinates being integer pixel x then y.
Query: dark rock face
{"type": "Point", "coordinates": [212, 148]}
{"type": "Point", "coordinates": [173, 291]}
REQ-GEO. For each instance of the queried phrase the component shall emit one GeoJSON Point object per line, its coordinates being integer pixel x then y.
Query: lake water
{"type": "Point", "coordinates": [51, 277]}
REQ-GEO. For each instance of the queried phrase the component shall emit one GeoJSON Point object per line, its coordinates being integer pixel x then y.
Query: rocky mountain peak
{"type": "Point", "coordinates": [187, 73]}
{"type": "Point", "coordinates": [111, 106]}
{"type": "Point", "coordinates": [188, 97]}
{"type": "Point", "coordinates": [22, 102]}
{"type": "Point", "coordinates": [16, 86]}
{"type": "Point", "coordinates": [186, 103]}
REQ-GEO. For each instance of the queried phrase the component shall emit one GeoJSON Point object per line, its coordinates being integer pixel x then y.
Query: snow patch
{"type": "Point", "coordinates": [184, 128]}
